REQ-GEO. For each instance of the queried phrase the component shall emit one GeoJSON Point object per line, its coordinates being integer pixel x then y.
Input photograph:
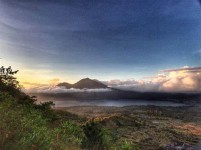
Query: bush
{"type": "Point", "coordinates": [96, 137]}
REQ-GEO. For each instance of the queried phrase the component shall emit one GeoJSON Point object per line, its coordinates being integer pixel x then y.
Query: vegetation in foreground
{"type": "Point", "coordinates": [27, 125]}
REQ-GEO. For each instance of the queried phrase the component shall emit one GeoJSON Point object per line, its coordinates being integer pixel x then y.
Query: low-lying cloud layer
{"type": "Point", "coordinates": [57, 89]}
{"type": "Point", "coordinates": [185, 79]}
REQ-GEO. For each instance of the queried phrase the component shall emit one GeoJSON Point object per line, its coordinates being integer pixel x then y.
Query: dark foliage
{"type": "Point", "coordinates": [96, 137]}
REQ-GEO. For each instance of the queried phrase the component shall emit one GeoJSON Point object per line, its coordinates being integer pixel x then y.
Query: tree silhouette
{"type": "Point", "coordinates": [7, 72]}
{"type": "Point", "coordinates": [7, 77]}
{"type": "Point", "coordinates": [9, 84]}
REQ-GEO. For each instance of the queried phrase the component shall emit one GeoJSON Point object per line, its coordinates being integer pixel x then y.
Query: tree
{"type": "Point", "coordinates": [7, 77]}
{"type": "Point", "coordinates": [9, 84]}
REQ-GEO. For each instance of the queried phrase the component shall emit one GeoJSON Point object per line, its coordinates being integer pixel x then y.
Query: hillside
{"type": "Point", "coordinates": [66, 85]}
{"type": "Point", "coordinates": [24, 124]}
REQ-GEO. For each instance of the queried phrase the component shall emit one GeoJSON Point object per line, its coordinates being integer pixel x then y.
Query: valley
{"type": "Point", "coordinates": [147, 127]}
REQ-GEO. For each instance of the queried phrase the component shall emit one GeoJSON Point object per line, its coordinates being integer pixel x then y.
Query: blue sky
{"type": "Point", "coordinates": [107, 39]}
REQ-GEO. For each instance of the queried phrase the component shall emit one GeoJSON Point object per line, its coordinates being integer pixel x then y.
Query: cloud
{"type": "Point", "coordinates": [197, 52]}
{"type": "Point", "coordinates": [133, 85]}
{"type": "Point", "coordinates": [185, 68]}
{"type": "Point", "coordinates": [185, 79]}
{"type": "Point", "coordinates": [56, 89]}
{"type": "Point", "coordinates": [182, 79]}
{"type": "Point", "coordinates": [121, 82]}
{"type": "Point", "coordinates": [32, 85]}
{"type": "Point", "coordinates": [54, 81]}
{"type": "Point", "coordinates": [29, 84]}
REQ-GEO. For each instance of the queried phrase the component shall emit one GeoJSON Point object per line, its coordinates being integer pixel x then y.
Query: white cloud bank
{"type": "Point", "coordinates": [185, 79]}
{"type": "Point", "coordinates": [56, 89]}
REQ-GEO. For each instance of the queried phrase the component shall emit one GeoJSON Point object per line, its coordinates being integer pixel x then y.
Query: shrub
{"type": "Point", "coordinates": [96, 137]}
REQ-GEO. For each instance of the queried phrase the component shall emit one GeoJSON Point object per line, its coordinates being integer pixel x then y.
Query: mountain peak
{"type": "Point", "coordinates": [86, 79]}
{"type": "Point", "coordinates": [89, 84]}
{"type": "Point", "coordinates": [84, 83]}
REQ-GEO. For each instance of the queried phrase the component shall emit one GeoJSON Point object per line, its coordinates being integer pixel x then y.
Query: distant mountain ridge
{"type": "Point", "coordinates": [85, 83]}
{"type": "Point", "coordinates": [188, 98]}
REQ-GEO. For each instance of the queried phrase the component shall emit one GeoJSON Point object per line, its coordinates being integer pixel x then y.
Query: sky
{"type": "Point", "coordinates": [110, 40]}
